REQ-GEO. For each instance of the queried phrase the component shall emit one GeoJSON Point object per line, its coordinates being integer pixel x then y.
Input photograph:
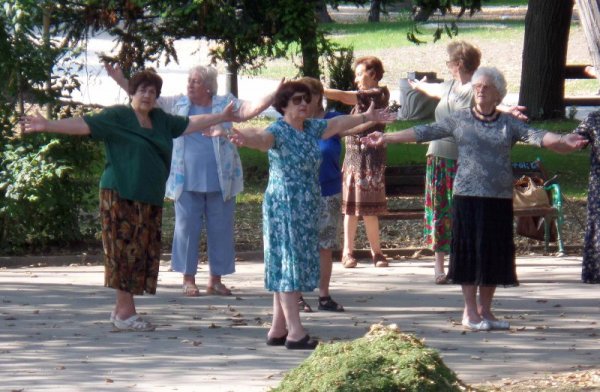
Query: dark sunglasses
{"type": "Point", "coordinates": [296, 99]}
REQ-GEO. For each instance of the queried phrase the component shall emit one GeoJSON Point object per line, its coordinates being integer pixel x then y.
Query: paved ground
{"type": "Point", "coordinates": [55, 334]}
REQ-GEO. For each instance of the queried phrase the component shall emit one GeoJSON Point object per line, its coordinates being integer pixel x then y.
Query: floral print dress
{"type": "Point", "coordinates": [291, 208]}
{"type": "Point", "coordinates": [590, 128]}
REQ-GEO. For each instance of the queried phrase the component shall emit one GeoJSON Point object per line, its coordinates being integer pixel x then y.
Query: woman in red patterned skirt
{"type": "Point", "coordinates": [363, 188]}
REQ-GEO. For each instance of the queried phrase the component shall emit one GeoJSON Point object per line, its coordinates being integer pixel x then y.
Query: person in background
{"type": "Point", "coordinates": [292, 201]}
{"type": "Point", "coordinates": [589, 128]}
{"type": "Point", "coordinates": [206, 175]}
{"type": "Point", "coordinates": [138, 139]}
{"type": "Point", "coordinates": [483, 251]}
{"type": "Point", "coordinates": [453, 95]}
{"type": "Point", "coordinates": [363, 170]}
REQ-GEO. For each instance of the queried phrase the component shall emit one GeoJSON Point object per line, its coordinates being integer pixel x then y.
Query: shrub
{"type": "Point", "coordinates": [383, 360]}
{"type": "Point", "coordinates": [341, 76]}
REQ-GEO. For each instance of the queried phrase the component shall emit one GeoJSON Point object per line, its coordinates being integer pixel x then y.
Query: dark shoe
{"type": "Point", "coordinates": [306, 343]}
{"type": "Point", "coordinates": [326, 303]}
{"type": "Point", "coordinates": [348, 261]}
{"type": "Point", "coordinates": [379, 260]}
{"type": "Point", "coordinates": [276, 341]}
{"type": "Point", "coordinates": [304, 306]}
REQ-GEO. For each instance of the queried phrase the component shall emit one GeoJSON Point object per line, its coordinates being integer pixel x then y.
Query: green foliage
{"type": "Point", "coordinates": [341, 76]}
{"type": "Point", "coordinates": [425, 8]}
{"type": "Point", "coordinates": [48, 185]}
{"type": "Point", "coordinates": [383, 360]}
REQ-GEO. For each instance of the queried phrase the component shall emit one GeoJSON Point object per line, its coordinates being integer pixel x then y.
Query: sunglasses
{"type": "Point", "coordinates": [297, 99]}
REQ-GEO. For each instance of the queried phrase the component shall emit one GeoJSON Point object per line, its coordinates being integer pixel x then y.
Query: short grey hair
{"type": "Point", "coordinates": [208, 75]}
{"type": "Point", "coordinates": [496, 77]}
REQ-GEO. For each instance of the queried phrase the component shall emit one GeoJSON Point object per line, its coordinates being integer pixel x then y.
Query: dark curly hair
{"type": "Point", "coordinates": [147, 77]}
{"type": "Point", "coordinates": [286, 91]}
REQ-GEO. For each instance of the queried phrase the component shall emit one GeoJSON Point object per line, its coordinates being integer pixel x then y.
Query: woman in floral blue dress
{"type": "Point", "coordinates": [291, 203]}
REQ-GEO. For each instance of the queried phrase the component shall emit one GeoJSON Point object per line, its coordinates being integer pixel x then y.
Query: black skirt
{"type": "Point", "coordinates": [483, 251]}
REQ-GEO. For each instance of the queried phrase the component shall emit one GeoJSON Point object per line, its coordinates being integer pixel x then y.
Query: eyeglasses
{"type": "Point", "coordinates": [297, 99]}
{"type": "Point", "coordinates": [481, 86]}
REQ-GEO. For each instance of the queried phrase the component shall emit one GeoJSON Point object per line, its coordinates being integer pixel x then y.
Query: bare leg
{"type": "Point", "coordinates": [289, 304]}
{"type": "Point", "coordinates": [278, 326]}
{"type": "Point", "coordinates": [350, 225]}
{"type": "Point", "coordinates": [486, 295]}
{"type": "Point", "coordinates": [372, 229]}
{"type": "Point", "coordinates": [189, 279]}
{"type": "Point", "coordinates": [470, 295]}
{"type": "Point", "coordinates": [125, 306]}
{"type": "Point", "coordinates": [438, 268]}
{"type": "Point", "coordinates": [326, 260]}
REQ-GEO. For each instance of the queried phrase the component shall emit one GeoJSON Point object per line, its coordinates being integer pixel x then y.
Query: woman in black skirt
{"type": "Point", "coordinates": [482, 253]}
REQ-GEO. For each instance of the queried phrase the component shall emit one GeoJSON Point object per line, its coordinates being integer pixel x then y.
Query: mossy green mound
{"type": "Point", "coordinates": [383, 360]}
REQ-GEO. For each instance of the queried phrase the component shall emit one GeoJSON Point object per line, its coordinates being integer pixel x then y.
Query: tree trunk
{"type": "Point", "coordinates": [374, 11]}
{"type": "Point", "coordinates": [321, 12]}
{"type": "Point", "coordinates": [544, 56]}
{"type": "Point", "coordinates": [231, 76]}
{"type": "Point", "coordinates": [589, 14]}
{"type": "Point", "coordinates": [310, 51]}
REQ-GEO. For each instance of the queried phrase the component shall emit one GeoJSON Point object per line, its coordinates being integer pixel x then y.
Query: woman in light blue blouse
{"type": "Point", "coordinates": [482, 252]}
{"type": "Point", "coordinates": [206, 175]}
{"type": "Point", "coordinates": [291, 203]}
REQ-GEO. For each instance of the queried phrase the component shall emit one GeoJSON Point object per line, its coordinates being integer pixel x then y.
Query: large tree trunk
{"type": "Point", "coordinates": [310, 51]}
{"type": "Point", "coordinates": [374, 11]}
{"type": "Point", "coordinates": [544, 56]}
{"type": "Point", "coordinates": [231, 77]}
{"type": "Point", "coordinates": [589, 14]}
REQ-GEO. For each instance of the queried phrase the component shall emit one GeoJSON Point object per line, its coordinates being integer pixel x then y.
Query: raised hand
{"type": "Point", "coordinates": [230, 114]}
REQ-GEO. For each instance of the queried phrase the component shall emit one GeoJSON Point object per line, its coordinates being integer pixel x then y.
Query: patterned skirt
{"type": "Point", "coordinates": [363, 180]}
{"type": "Point", "coordinates": [439, 180]}
{"type": "Point", "coordinates": [131, 237]}
{"type": "Point", "coordinates": [483, 251]}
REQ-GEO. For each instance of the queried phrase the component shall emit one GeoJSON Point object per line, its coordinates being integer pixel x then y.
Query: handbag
{"type": "Point", "coordinates": [530, 192]}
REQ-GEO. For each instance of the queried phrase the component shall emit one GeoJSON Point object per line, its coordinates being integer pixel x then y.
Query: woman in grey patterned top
{"type": "Point", "coordinates": [483, 254]}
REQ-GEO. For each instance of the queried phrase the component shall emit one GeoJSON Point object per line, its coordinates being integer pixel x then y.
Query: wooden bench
{"type": "Point", "coordinates": [407, 181]}
{"type": "Point", "coordinates": [581, 72]}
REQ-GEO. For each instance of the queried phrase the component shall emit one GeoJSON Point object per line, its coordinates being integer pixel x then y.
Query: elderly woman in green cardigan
{"type": "Point", "coordinates": [138, 140]}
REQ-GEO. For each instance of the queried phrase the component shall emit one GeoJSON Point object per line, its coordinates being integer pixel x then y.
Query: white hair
{"type": "Point", "coordinates": [208, 75]}
{"type": "Point", "coordinates": [494, 75]}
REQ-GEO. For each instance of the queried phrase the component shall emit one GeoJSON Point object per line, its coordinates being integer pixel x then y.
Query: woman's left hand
{"type": "Point", "coordinates": [32, 124]}
{"type": "Point", "coordinates": [215, 131]}
{"type": "Point", "coordinates": [574, 141]}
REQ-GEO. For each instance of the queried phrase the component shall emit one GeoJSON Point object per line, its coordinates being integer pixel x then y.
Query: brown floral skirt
{"type": "Point", "coordinates": [131, 236]}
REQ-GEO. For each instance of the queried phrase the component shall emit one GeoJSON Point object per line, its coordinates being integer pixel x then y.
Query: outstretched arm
{"type": "Point", "coordinates": [199, 122]}
{"type": "Point", "coordinates": [249, 110]}
{"type": "Point", "coordinates": [433, 90]}
{"type": "Point", "coordinates": [379, 138]}
{"type": "Point", "coordinates": [347, 97]}
{"type": "Point", "coordinates": [341, 123]}
{"type": "Point", "coordinates": [68, 126]}
{"type": "Point", "coordinates": [256, 138]}
{"type": "Point", "coordinates": [564, 143]}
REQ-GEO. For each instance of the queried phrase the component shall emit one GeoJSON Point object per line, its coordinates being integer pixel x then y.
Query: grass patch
{"type": "Point", "coordinates": [383, 360]}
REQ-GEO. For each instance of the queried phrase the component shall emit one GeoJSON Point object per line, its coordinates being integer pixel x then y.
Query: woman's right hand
{"type": "Point", "coordinates": [373, 139]}
{"type": "Point", "coordinates": [237, 138]}
{"type": "Point", "coordinates": [414, 83]}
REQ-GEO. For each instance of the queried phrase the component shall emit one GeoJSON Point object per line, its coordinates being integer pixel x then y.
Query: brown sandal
{"type": "Point", "coordinates": [348, 261]}
{"type": "Point", "coordinates": [379, 260]}
{"type": "Point", "coordinates": [218, 289]}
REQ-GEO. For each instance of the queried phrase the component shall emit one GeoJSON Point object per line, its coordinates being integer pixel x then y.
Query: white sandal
{"type": "Point", "coordinates": [134, 323]}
